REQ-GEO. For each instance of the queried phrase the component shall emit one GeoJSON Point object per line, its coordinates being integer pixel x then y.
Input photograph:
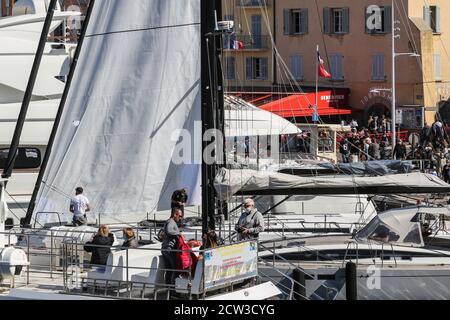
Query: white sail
{"type": "Point", "coordinates": [137, 82]}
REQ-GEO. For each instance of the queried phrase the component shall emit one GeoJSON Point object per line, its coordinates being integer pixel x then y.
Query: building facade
{"type": "Point", "coordinates": [355, 40]}
{"type": "Point", "coordinates": [6, 7]}
{"type": "Point", "coordinates": [249, 50]}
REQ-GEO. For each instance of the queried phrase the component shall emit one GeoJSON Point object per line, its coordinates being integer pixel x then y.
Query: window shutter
{"type": "Point", "coordinates": [378, 67]}
{"type": "Point", "coordinates": [296, 66]}
{"type": "Point", "coordinates": [381, 66]}
{"type": "Point", "coordinates": [327, 20]}
{"type": "Point", "coordinates": [231, 68]}
{"type": "Point", "coordinates": [388, 19]}
{"type": "Point", "coordinates": [346, 20]}
{"type": "Point", "coordinates": [427, 15]}
{"type": "Point", "coordinates": [264, 68]}
{"type": "Point", "coordinates": [437, 66]}
{"type": "Point", "coordinates": [256, 24]}
{"type": "Point", "coordinates": [249, 68]}
{"type": "Point", "coordinates": [337, 67]}
{"type": "Point", "coordinates": [300, 67]}
{"type": "Point", "coordinates": [438, 19]}
{"type": "Point", "coordinates": [341, 67]}
{"type": "Point", "coordinates": [304, 18]}
{"type": "Point", "coordinates": [374, 67]}
{"type": "Point", "coordinates": [287, 22]}
{"type": "Point", "coordinates": [333, 66]}
{"type": "Point", "coordinates": [292, 65]}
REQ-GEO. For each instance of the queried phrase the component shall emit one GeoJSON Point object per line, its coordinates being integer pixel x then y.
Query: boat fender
{"type": "Point", "coordinates": [12, 260]}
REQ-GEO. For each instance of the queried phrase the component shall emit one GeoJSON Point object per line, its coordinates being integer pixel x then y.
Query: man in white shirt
{"type": "Point", "coordinates": [79, 205]}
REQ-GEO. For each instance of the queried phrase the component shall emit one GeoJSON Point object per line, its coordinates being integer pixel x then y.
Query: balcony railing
{"type": "Point", "coordinates": [252, 3]}
{"type": "Point", "coordinates": [234, 42]}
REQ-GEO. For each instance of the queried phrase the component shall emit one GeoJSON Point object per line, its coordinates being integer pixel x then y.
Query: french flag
{"type": "Point", "coordinates": [322, 70]}
{"type": "Point", "coordinates": [237, 45]}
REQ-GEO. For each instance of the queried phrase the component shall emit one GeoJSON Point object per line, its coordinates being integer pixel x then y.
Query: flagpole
{"type": "Point", "coordinates": [317, 84]}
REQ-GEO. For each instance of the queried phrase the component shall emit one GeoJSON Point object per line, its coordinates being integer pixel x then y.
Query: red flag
{"type": "Point", "coordinates": [322, 70]}
{"type": "Point", "coordinates": [238, 45]}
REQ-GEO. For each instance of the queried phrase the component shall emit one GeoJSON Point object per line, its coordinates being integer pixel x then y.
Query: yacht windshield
{"type": "Point", "coordinates": [394, 227]}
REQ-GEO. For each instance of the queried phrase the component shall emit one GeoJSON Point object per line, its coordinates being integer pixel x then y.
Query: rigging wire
{"type": "Point", "coordinates": [284, 68]}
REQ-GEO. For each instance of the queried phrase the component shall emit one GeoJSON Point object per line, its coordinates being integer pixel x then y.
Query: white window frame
{"type": "Point", "coordinates": [338, 20]}
{"type": "Point", "coordinates": [296, 16]}
{"type": "Point", "coordinates": [257, 68]}
{"type": "Point", "coordinates": [433, 19]}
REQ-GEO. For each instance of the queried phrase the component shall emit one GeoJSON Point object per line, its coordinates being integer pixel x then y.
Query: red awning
{"type": "Point", "coordinates": [330, 103]}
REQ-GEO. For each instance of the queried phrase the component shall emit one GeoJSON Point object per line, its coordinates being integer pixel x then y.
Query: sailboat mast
{"type": "Point", "coordinates": [29, 92]}
{"type": "Point", "coordinates": [220, 103]}
{"type": "Point", "coordinates": [317, 86]}
{"type": "Point", "coordinates": [58, 117]}
{"type": "Point", "coordinates": [209, 85]}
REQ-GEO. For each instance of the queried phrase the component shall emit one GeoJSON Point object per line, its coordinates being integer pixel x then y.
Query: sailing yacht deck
{"type": "Point", "coordinates": [39, 286]}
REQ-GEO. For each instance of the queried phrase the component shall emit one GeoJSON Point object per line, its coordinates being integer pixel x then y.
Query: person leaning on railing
{"type": "Point", "coordinates": [100, 246]}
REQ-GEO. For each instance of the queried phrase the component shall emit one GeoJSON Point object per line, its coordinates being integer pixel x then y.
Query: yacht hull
{"type": "Point", "coordinates": [427, 282]}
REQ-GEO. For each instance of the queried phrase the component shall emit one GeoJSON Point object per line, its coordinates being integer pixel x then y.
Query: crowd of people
{"type": "Point", "coordinates": [373, 143]}
{"type": "Point", "coordinates": [433, 149]}
{"type": "Point", "coordinates": [375, 124]}
{"type": "Point", "coordinates": [362, 146]}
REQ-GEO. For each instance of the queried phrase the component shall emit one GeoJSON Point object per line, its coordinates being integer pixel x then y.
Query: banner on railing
{"type": "Point", "coordinates": [231, 263]}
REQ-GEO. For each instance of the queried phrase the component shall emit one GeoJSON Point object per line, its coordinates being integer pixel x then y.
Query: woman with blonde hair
{"type": "Point", "coordinates": [130, 238]}
{"type": "Point", "coordinates": [100, 246]}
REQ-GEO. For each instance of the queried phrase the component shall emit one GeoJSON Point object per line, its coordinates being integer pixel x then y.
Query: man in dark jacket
{"type": "Point", "coordinates": [179, 199]}
{"type": "Point", "coordinates": [170, 242]}
{"type": "Point", "coordinates": [100, 246]}
{"type": "Point", "coordinates": [446, 174]}
{"type": "Point", "coordinates": [425, 134]}
{"type": "Point", "coordinates": [400, 150]}
{"type": "Point", "coordinates": [345, 150]}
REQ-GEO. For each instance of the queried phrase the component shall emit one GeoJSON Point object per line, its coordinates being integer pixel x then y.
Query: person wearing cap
{"type": "Point", "coordinates": [251, 222]}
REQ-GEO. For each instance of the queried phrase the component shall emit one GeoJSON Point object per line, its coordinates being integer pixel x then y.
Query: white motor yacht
{"type": "Point", "coordinates": [19, 36]}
